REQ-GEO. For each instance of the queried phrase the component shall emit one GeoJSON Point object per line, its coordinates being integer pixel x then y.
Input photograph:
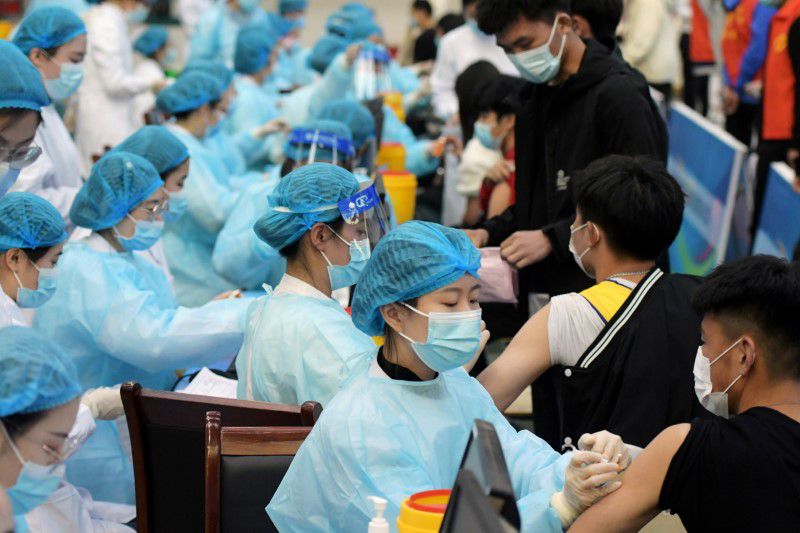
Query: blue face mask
{"type": "Point", "coordinates": [8, 177]}
{"type": "Point", "coordinates": [473, 25]}
{"type": "Point", "coordinates": [178, 204]}
{"type": "Point", "coordinates": [138, 15]}
{"type": "Point", "coordinates": [453, 339]}
{"type": "Point", "coordinates": [248, 6]}
{"type": "Point", "coordinates": [144, 236]}
{"type": "Point", "coordinates": [483, 132]}
{"type": "Point", "coordinates": [214, 130]}
{"type": "Point", "coordinates": [30, 298]}
{"type": "Point", "coordinates": [67, 82]}
{"type": "Point", "coordinates": [348, 275]}
{"type": "Point", "coordinates": [299, 23]}
{"type": "Point", "coordinates": [34, 485]}
{"type": "Point", "coordinates": [540, 65]}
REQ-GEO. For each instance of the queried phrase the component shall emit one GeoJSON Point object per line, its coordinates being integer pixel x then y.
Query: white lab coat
{"type": "Point", "coordinates": [10, 313]}
{"type": "Point", "coordinates": [58, 173]}
{"type": "Point", "coordinates": [458, 50]}
{"type": "Point", "coordinates": [105, 115]}
{"type": "Point", "coordinates": [148, 69]}
{"type": "Point", "coordinates": [189, 13]}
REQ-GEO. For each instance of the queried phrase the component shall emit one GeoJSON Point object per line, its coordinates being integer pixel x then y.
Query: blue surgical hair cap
{"type": "Point", "coordinates": [158, 145]}
{"type": "Point", "coordinates": [191, 91]}
{"type": "Point", "coordinates": [21, 85]}
{"type": "Point", "coordinates": [352, 114]}
{"type": "Point", "coordinates": [48, 27]}
{"type": "Point", "coordinates": [151, 40]}
{"type": "Point", "coordinates": [28, 221]}
{"type": "Point", "coordinates": [253, 48]}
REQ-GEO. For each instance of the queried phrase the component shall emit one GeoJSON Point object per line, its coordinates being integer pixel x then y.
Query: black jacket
{"type": "Point", "coordinates": [637, 377]}
{"type": "Point", "coordinates": [604, 109]}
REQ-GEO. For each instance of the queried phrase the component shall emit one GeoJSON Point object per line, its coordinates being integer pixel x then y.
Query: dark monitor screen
{"type": "Point", "coordinates": [469, 510]}
{"type": "Point", "coordinates": [484, 458]}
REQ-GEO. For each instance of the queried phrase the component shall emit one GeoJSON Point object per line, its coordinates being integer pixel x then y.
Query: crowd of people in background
{"type": "Point", "coordinates": [216, 194]}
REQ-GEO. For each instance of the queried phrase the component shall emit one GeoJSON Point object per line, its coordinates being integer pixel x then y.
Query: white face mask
{"type": "Point", "coordinates": [716, 402]}
{"type": "Point", "coordinates": [539, 65]}
{"type": "Point", "coordinates": [579, 257]}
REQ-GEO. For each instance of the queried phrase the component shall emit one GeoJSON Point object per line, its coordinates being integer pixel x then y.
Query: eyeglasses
{"type": "Point", "coordinates": [71, 444]}
{"type": "Point", "coordinates": [155, 211]}
{"type": "Point", "coordinates": [20, 157]}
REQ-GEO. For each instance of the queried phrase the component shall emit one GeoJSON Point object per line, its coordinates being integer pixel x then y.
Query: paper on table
{"type": "Point", "coordinates": [207, 383]}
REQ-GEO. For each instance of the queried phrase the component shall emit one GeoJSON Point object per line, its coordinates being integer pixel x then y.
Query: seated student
{"type": "Point", "coordinates": [189, 240]}
{"type": "Point", "coordinates": [239, 254]}
{"type": "Point", "coordinates": [170, 158]}
{"type": "Point", "coordinates": [115, 314]}
{"type": "Point", "coordinates": [54, 39]}
{"type": "Point", "coordinates": [32, 235]}
{"type": "Point", "coordinates": [622, 352]}
{"type": "Point", "coordinates": [153, 56]}
{"type": "Point", "coordinates": [487, 163]}
{"type": "Point", "coordinates": [400, 423]}
{"type": "Point", "coordinates": [738, 473]}
{"type": "Point", "coordinates": [22, 97]}
{"type": "Point", "coordinates": [300, 343]}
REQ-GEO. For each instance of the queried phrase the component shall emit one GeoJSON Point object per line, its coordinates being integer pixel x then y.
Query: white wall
{"type": "Point", "coordinates": [391, 15]}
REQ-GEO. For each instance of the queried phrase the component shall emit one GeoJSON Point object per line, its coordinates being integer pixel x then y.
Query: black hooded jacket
{"type": "Point", "coordinates": [605, 108]}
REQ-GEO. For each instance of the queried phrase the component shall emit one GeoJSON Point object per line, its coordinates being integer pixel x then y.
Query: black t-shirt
{"type": "Point", "coordinates": [741, 474]}
{"type": "Point", "coordinates": [425, 46]}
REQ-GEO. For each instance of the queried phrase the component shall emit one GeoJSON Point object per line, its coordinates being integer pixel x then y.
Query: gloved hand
{"type": "Point", "coordinates": [608, 445]}
{"type": "Point", "coordinates": [105, 403]}
{"type": "Point", "coordinates": [270, 127]}
{"type": "Point", "coordinates": [588, 478]}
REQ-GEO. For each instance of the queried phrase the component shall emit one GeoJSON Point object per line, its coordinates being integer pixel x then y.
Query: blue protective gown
{"type": "Point", "coordinates": [300, 345]}
{"type": "Point", "coordinates": [115, 314]}
{"type": "Point", "coordinates": [418, 160]}
{"type": "Point", "coordinates": [189, 241]}
{"type": "Point", "coordinates": [305, 103]}
{"type": "Point", "coordinates": [292, 67]}
{"type": "Point", "coordinates": [239, 254]}
{"type": "Point", "coordinates": [253, 107]}
{"type": "Point", "coordinates": [403, 78]}
{"type": "Point", "coordinates": [215, 34]}
{"type": "Point", "coordinates": [234, 152]}
{"type": "Point", "coordinates": [392, 438]}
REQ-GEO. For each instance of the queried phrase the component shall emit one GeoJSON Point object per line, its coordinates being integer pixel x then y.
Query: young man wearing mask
{"type": "Point", "coordinates": [584, 103]}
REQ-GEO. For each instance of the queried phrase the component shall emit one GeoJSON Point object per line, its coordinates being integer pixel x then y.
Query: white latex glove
{"type": "Point", "coordinates": [608, 445]}
{"type": "Point", "coordinates": [270, 127]}
{"type": "Point", "coordinates": [82, 429]}
{"type": "Point", "coordinates": [105, 403]}
{"type": "Point", "coordinates": [588, 478]}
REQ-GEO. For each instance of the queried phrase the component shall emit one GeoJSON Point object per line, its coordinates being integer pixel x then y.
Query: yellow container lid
{"type": "Point", "coordinates": [423, 512]}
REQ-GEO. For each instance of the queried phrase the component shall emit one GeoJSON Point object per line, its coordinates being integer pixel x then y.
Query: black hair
{"type": "Point", "coordinates": [389, 333]}
{"type": "Point", "coordinates": [291, 251]}
{"type": "Point", "coordinates": [602, 15]}
{"type": "Point", "coordinates": [450, 22]}
{"type": "Point", "coordinates": [760, 292]}
{"type": "Point", "coordinates": [422, 5]}
{"type": "Point", "coordinates": [18, 424]}
{"type": "Point", "coordinates": [183, 115]}
{"type": "Point", "coordinates": [494, 16]}
{"type": "Point", "coordinates": [466, 3]}
{"type": "Point", "coordinates": [636, 202]}
{"type": "Point", "coordinates": [499, 95]}
{"type": "Point", "coordinates": [34, 254]}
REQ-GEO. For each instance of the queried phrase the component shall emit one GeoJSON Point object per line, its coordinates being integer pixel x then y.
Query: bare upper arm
{"type": "Point", "coordinates": [525, 359]}
{"type": "Point", "coordinates": [635, 503]}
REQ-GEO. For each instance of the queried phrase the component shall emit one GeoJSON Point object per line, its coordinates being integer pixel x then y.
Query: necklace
{"type": "Point", "coordinates": [627, 274]}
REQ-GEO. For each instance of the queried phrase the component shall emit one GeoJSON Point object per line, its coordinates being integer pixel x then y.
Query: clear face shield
{"type": "Point", "coordinates": [317, 146]}
{"type": "Point", "coordinates": [371, 78]}
{"type": "Point", "coordinates": [364, 212]}
{"type": "Point", "coordinates": [364, 161]}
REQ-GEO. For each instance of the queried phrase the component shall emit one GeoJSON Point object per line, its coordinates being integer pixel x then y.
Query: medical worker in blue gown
{"type": "Point", "coordinates": [239, 254]}
{"type": "Point", "coordinates": [214, 36]}
{"type": "Point", "coordinates": [292, 67]}
{"type": "Point", "coordinates": [115, 313]}
{"type": "Point", "coordinates": [300, 343]}
{"type": "Point", "coordinates": [170, 158]}
{"type": "Point", "coordinates": [400, 425]}
{"type": "Point", "coordinates": [254, 114]}
{"type": "Point", "coordinates": [189, 241]}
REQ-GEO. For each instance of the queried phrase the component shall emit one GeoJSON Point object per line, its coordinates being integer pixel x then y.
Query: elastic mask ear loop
{"type": "Point", "coordinates": [335, 152]}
